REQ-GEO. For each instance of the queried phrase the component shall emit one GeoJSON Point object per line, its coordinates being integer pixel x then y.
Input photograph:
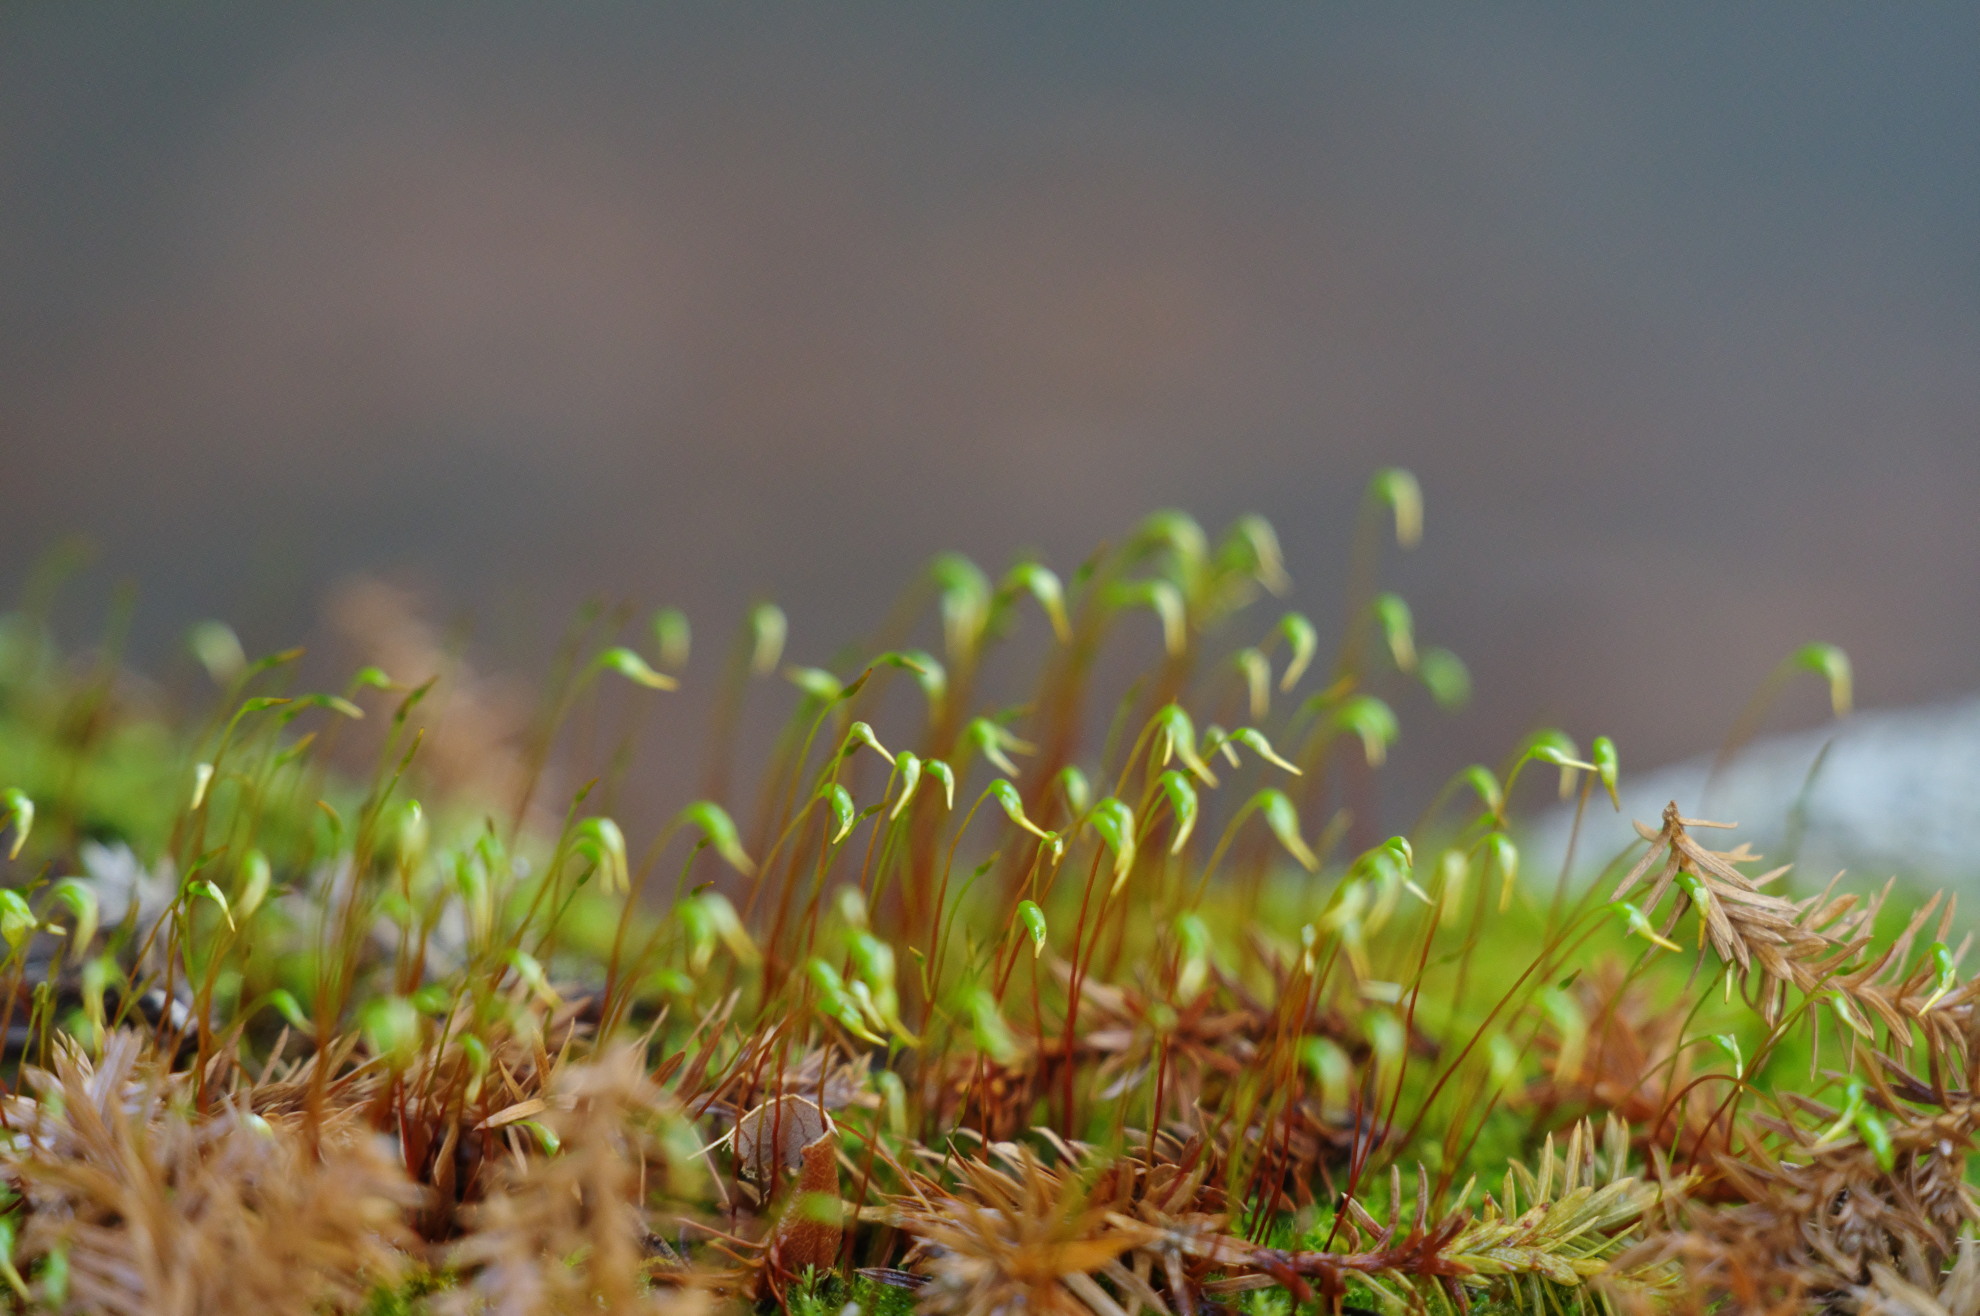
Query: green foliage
{"type": "Point", "coordinates": [826, 1293]}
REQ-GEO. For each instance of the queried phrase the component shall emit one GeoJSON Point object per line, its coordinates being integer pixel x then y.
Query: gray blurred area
{"type": "Point", "coordinates": [1875, 795]}
{"type": "Point", "coordinates": [1674, 309]}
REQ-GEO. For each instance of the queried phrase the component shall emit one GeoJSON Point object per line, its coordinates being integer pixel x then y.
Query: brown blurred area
{"type": "Point", "coordinates": [1674, 310]}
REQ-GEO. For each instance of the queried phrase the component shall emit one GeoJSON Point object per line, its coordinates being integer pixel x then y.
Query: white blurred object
{"type": "Point", "coordinates": [1881, 793]}
{"type": "Point", "coordinates": [121, 880]}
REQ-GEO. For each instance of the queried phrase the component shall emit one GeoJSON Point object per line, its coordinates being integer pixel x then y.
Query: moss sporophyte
{"type": "Point", "coordinates": [1108, 998]}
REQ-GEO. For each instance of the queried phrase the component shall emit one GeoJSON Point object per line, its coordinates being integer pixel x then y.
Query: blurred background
{"type": "Point", "coordinates": [1675, 311]}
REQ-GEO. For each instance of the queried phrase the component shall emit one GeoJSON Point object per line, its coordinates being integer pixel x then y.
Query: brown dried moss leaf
{"type": "Point", "coordinates": [163, 1215]}
{"type": "Point", "coordinates": [568, 1232]}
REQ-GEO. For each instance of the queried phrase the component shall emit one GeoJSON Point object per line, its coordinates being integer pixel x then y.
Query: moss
{"type": "Point", "coordinates": [828, 1293]}
{"type": "Point", "coordinates": [979, 930]}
